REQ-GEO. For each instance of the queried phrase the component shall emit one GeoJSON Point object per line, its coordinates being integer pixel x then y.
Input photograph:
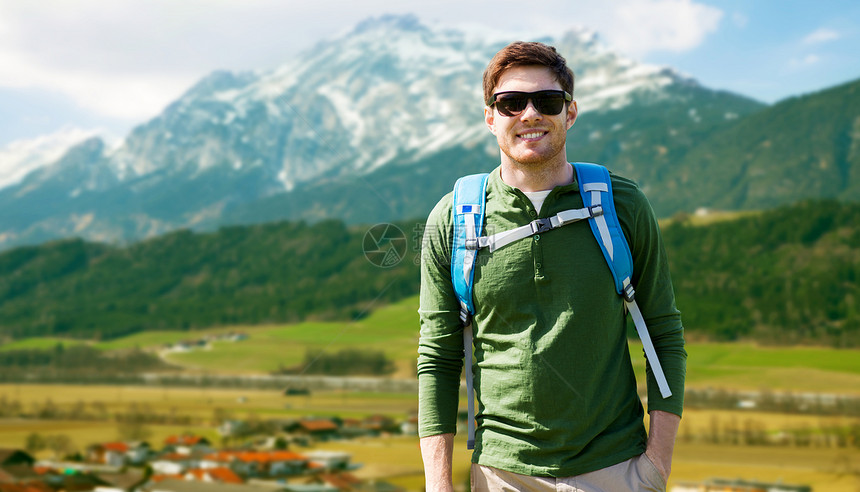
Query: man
{"type": "Point", "coordinates": [557, 401]}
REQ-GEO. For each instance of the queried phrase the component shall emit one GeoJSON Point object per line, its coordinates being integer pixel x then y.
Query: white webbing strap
{"type": "Point", "coordinates": [496, 241]}
{"type": "Point", "coordinates": [595, 189]}
{"type": "Point", "coordinates": [647, 345]}
{"type": "Point", "coordinates": [471, 235]}
{"type": "Point", "coordinates": [470, 390]}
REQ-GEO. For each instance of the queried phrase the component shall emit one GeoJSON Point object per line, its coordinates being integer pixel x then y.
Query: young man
{"type": "Point", "coordinates": [557, 400]}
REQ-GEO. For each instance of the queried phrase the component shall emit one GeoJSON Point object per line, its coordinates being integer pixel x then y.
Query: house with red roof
{"type": "Point", "coordinates": [188, 444]}
{"type": "Point", "coordinates": [118, 453]}
{"type": "Point", "coordinates": [173, 464]}
{"type": "Point", "coordinates": [317, 429]}
{"type": "Point", "coordinates": [257, 463]}
{"type": "Point", "coordinates": [380, 423]}
{"type": "Point", "coordinates": [220, 474]}
{"type": "Point", "coordinates": [329, 460]}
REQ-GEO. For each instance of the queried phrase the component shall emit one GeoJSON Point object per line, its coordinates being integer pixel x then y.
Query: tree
{"type": "Point", "coordinates": [133, 430]}
{"type": "Point", "coordinates": [35, 443]}
{"type": "Point", "coordinates": [60, 444]}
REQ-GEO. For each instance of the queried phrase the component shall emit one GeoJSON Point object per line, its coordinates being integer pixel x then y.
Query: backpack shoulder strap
{"type": "Point", "coordinates": [469, 203]}
{"type": "Point", "coordinates": [470, 197]}
{"type": "Point", "coordinates": [596, 190]}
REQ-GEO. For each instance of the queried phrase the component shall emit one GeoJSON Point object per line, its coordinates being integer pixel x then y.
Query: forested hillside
{"type": "Point", "coordinates": [257, 274]}
{"type": "Point", "coordinates": [782, 276]}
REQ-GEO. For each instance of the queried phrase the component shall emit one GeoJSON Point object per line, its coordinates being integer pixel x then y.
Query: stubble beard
{"type": "Point", "coordinates": [538, 167]}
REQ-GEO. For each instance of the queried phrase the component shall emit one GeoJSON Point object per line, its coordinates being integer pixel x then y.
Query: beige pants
{"type": "Point", "coordinates": [634, 475]}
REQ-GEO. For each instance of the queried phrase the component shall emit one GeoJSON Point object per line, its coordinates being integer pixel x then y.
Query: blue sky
{"type": "Point", "coordinates": [112, 64]}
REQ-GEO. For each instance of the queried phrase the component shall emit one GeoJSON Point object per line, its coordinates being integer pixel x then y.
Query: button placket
{"type": "Point", "coordinates": [537, 254]}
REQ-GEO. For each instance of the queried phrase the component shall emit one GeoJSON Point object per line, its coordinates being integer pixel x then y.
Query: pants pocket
{"type": "Point", "coordinates": [649, 473]}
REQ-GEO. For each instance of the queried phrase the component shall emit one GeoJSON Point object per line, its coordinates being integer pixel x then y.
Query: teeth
{"type": "Point", "coordinates": [532, 135]}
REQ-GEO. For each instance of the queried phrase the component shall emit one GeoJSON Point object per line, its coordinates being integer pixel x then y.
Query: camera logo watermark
{"type": "Point", "coordinates": [384, 245]}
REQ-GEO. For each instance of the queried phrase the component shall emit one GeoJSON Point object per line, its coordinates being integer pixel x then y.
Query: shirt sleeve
{"type": "Point", "coordinates": [440, 343]}
{"type": "Point", "coordinates": [655, 297]}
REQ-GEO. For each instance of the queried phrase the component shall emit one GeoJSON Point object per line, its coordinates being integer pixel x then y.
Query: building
{"type": "Point", "coordinates": [257, 463]}
{"type": "Point", "coordinates": [726, 485]}
{"type": "Point", "coordinates": [318, 429]}
{"type": "Point", "coordinates": [174, 485]}
{"type": "Point", "coordinates": [118, 453]}
{"type": "Point", "coordinates": [188, 444]}
{"type": "Point", "coordinates": [16, 466]}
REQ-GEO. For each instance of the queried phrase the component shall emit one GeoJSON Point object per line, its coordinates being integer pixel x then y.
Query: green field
{"type": "Point", "coordinates": [38, 343]}
{"type": "Point", "coordinates": [393, 329]}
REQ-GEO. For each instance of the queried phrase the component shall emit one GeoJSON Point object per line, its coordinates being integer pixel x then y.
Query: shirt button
{"type": "Point", "coordinates": [537, 237]}
{"type": "Point", "coordinates": [532, 213]}
{"type": "Point", "coordinates": [537, 265]}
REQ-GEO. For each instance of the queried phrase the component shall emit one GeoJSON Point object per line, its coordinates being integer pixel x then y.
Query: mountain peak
{"type": "Point", "coordinates": [391, 95]}
{"type": "Point", "coordinates": [407, 22]}
{"type": "Point", "coordinates": [218, 81]}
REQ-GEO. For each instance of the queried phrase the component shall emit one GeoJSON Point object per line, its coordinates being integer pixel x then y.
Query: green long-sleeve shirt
{"type": "Point", "coordinates": [555, 386]}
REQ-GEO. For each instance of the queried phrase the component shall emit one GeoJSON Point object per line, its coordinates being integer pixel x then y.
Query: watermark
{"type": "Point", "coordinates": [384, 245]}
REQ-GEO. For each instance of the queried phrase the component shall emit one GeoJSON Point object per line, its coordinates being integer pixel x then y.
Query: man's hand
{"type": "Point", "coordinates": [661, 440]}
{"type": "Point", "coordinates": [437, 452]}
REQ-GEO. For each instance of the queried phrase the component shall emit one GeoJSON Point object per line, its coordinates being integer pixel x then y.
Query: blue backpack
{"type": "Point", "coordinates": [470, 195]}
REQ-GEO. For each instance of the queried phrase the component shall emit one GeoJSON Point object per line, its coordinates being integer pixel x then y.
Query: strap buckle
{"type": "Point", "coordinates": [595, 210]}
{"type": "Point", "coordinates": [541, 225]}
{"type": "Point", "coordinates": [629, 294]}
{"type": "Point", "coordinates": [472, 244]}
{"type": "Point", "coordinates": [465, 317]}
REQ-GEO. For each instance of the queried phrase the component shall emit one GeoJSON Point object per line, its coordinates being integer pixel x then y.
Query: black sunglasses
{"type": "Point", "coordinates": [512, 103]}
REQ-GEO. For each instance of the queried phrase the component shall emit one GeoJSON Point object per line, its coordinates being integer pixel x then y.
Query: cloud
{"type": "Point", "coordinates": [643, 26]}
{"type": "Point", "coordinates": [804, 62]}
{"type": "Point", "coordinates": [740, 20]}
{"type": "Point", "coordinates": [128, 59]}
{"type": "Point", "coordinates": [820, 36]}
{"type": "Point", "coordinates": [124, 95]}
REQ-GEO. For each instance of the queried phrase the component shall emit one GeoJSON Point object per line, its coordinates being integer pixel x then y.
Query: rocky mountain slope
{"type": "Point", "coordinates": [377, 124]}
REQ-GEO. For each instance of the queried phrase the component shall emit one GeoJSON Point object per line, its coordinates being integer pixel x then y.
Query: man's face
{"type": "Point", "coordinates": [530, 138]}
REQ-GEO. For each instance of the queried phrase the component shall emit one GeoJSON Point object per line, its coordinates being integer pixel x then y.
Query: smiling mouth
{"type": "Point", "coordinates": [532, 135]}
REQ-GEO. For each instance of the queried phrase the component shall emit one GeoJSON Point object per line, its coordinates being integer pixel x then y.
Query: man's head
{"type": "Point", "coordinates": [529, 106]}
{"type": "Point", "coordinates": [522, 53]}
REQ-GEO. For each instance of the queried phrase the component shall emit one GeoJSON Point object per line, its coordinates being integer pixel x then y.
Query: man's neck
{"type": "Point", "coordinates": [536, 177]}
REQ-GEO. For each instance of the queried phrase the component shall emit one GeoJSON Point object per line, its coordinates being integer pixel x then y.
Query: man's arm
{"type": "Point", "coordinates": [661, 440]}
{"type": "Point", "coordinates": [440, 351]}
{"type": "Point", "coordinates": [437, 452]}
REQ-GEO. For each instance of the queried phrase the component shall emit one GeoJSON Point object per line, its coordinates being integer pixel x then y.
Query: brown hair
{"type": "Point", "coordinates": [521, 53]}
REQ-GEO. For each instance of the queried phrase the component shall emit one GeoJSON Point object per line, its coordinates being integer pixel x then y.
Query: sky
{"type": "Point", "coordinates": [108, 65]}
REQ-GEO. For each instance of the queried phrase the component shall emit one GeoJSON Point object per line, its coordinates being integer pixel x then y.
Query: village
{"type": "Point", "coordinates": [192, 463]}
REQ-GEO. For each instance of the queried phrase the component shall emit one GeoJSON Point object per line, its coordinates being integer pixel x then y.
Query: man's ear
{"type": "Point", "coordinates": [572, 112]}
{"type": "Point", "coordinates": [490, 119]}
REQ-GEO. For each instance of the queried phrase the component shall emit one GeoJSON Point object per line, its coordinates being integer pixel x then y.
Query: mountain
{"type": "Point", "coordinates": [801, 148]}
{"type": "Point", "coordinates": [21, 157]}
{"type": "Point", "coordinates": [372, 126]}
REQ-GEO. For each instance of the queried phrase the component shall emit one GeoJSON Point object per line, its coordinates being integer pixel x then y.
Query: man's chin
{"type": "Point", "coordinates": [533, 159]}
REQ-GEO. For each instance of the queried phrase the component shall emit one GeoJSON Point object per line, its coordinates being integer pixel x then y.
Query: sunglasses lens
{"type": "Point", "coordinates": [549, 103]}
{"type": "Point", "coordinates": [511, 105]}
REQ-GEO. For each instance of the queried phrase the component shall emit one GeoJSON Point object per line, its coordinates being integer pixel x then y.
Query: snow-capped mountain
{"type": "Point", "coordinates": [21, 157]}
{"type": "Point", "coordinates": [385, 101]}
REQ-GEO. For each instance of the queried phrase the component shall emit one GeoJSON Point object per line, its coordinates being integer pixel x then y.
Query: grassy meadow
{"type": "Point", "coordinates": [397, 458]}
{"type": "Point", "coordinates": [394, 330]}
